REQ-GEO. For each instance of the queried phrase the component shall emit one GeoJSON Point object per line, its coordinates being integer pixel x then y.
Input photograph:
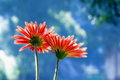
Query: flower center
{"type": "Point", "coordinates": [60, 54]}
{"type": "Point", "coordinates": [36, 40]}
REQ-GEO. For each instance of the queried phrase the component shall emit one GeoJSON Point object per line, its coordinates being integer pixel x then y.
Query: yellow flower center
{"type": "Point", "coordinates": [36, 40]}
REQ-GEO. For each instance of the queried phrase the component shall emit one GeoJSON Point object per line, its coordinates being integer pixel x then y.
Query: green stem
{"type": "Point", "coordinates": [36, 63]}
{"type": "Point", "coordinates": [56, 70]}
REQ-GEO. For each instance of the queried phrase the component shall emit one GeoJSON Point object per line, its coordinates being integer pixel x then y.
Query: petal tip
{"type": "Point", "coordinates": [20, 50]}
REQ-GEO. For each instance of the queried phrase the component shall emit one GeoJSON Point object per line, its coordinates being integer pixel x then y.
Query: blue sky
{"type": "Point", "coordinates": [69, 17]}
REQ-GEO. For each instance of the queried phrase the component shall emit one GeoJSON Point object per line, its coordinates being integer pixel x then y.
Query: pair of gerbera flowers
{"type": "Point", "coordinates": [40, 39]}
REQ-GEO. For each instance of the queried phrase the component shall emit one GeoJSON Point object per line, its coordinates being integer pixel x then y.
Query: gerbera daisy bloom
{"type": "Point", "coordinates": [34, 38]}
{"type": "Point", "coordinates": [33, 35]}
{"type": "Point", "coordinates": [65, 47]}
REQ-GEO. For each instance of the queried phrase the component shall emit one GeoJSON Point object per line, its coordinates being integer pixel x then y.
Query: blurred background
{"type": "Point", "coordinates": [95, 22]}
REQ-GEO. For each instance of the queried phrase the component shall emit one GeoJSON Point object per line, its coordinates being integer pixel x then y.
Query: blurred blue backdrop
{"type": "Point", "coordinates": [91, 21]}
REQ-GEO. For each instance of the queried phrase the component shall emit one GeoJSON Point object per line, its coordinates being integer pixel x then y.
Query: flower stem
{"type": "Point", "coordinates": [56, 70]}
{"type": "Point", "coordinates": [36, 63]}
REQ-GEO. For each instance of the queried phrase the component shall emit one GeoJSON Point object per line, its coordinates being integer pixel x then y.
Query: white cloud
{"type": "Point", "coordinates": [4, 28]}
{"type": "Point", "coordinates": [15, 19]}
{"type": "Point", "coordinates": [4, 25]}
{"type": "Point", "coordinates": [110, 67]}
{"type": "Point", "coordinates": [89, 17]}
{"type": "Point", "coordinates": [93, 21]}
{"type": "Point", "coordinates": [68, 21]}
{"type": "Point", "coordinates": [10, 66]}
{"type": "Point", "coordinates": [90, 70]}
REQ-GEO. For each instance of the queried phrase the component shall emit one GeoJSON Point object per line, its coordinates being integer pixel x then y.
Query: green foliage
{"type": "Point", "coordinates": [103, 10]}
{"type": "Point", "coordinates": [119, 2]}
{"type": "Point", "coordinates": [104, 17]}
{"type": "Point", "coordinates": [111, 2]}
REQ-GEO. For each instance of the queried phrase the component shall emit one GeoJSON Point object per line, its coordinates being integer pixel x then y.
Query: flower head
{"type": "Point", "coordinates": [33, 35]}
{"type": "Point", "coordinates": [65, 47]}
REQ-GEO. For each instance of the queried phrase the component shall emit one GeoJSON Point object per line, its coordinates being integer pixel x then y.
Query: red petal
{"type": "Point", "coordinates": [59, 43]}
{"type": "Point", "coordinates": [83, 49]}
{"type": "Point", "coordinates": [19, 37]}
{"type": "Point", "coordinates": [35, 27]}
{"type": "Point", "coordinates": [28, 26]}
{"type": "Point", "coordinates": [68, 40]}
{"type": "Point", "coordinates": [32, 48]}
{"type": "Point", "coordinates": [71, 44]}
{"type": "Point", "coordinates": [49, 30]}
{"type": "Point", "coordinates": [50, 41]}
{"type": "Point", "coordinates": [38, 50]}
{"type": "Point", "coordinates": [45, 45]}
{"type": "Point", "coordinates": [44, 23]}
{"type": "Point", "coordinates": [21, 49]}
{"type": "Point", "coordinates": [32, 26]}
{"type": "Point", "coordinates": [43, 29]}
{"type": "Point", "coordinates": [22, 31]}
{"type": "Point", "coordinates": [75, 51]}
{"type": "Point", "coordinates": [51, 51]}
{"type": "Point", "coordinates": [26, 29]}
{"type": "Point", "coordinates": [21, 42]}
{"type": "Point", "coordinates": [41, 50]}
{"type": "Point", "coordinates": [76, 55]}
{"type": "Point", "coordinates": [39, 28]}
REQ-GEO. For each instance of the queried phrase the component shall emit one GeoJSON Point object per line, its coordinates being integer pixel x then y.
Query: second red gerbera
{"type": "Point", "coordinates": [65, 47]}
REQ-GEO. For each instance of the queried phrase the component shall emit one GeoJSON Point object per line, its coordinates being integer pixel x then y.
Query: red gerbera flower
{"type": "Point", "coordinates": [65, 47]}
{"type": "Point", "coordinates": [33, 35]}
